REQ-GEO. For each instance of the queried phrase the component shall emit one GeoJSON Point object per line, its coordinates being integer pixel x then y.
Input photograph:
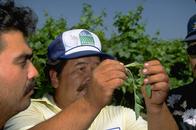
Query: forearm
{"type": "Point", "coordinates": [78, 116]}
{"type": "Point", "coordinates": [162, 120]}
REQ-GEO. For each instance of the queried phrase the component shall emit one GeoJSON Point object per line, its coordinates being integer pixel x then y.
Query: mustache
{"type": "Point", "coordinates": [30, 86]}
{"type": "Point", "coordinates": [84, 85]}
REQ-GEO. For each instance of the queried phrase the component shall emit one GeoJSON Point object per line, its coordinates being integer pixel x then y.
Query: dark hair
{"type": "Point", "coordinates": [16, 18]}
{"type": "Point", "coordinates": [56, 65]}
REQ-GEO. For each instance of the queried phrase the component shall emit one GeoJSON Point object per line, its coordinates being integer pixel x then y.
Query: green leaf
{"type": "Point", "coordinates": [135, 85]}
{"type": "Point", "coordinates": [148, 90]}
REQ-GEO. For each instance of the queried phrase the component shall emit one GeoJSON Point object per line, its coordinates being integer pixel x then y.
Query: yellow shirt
{"type": "Point", "coordinates": [110, 117]}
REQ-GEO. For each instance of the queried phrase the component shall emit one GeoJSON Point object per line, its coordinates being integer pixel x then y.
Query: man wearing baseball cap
{"type": "Point", "coordinates": [181, 101]}
{"type": "Point", "coordinates": [77, 68]}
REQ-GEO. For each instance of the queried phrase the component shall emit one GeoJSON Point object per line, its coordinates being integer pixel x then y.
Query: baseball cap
{"type": "Point", "coordinates": [76, 43]}
{"type": "Point", "coordinates": [191, 29]}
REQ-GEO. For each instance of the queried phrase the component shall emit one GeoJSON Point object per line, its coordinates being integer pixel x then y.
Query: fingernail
{"type": "Point", "coordinates": [121, 63]}
{"type": "Point", "coordinates": [146, 81]}
{"type": "Point", "coordinates": [144, 71]}
{"type": "Point", "coordinates": [146, 64]}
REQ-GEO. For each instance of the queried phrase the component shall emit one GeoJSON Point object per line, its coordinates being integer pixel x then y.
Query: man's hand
{"type": "Point", "coordinates": [157, 78]}
{"type": "Point", "coordinates": [109, 75]}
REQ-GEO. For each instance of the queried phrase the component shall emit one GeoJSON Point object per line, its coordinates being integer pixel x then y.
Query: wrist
{"type": "Point", "coordinates": [91, 103]}
{"type": "Point", "coordinates": [155, 108]}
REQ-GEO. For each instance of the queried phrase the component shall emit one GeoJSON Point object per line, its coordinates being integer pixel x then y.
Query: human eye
{"type": "Point", "coordinates": [23, 63]}
{"type": "Point", "coordinates": [23, 60]}
{"type": "Point", "coordinates": [82, 68]}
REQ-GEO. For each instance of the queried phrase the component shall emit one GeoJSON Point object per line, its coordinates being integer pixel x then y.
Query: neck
{"type": "Point", "coordinates": [3, 120]}
{"type": "Point", "coordinates": [60, 102]}
{"type": "Point", "coordinates": [5, 114]}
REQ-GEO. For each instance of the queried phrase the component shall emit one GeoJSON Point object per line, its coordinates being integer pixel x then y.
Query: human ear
{"type": "Point", "coordinates": [53, 78]}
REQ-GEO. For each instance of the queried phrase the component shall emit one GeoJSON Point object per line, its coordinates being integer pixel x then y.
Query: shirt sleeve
{"type": "Point", "coordinates": [131, 123]}
{"type": "Point", "coordinates": [25, 119]}
{"type": "Point", "coordinates": [118, 118]}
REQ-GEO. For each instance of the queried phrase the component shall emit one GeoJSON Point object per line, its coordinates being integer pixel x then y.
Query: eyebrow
{"type": "Point", "coordinates": [84, 63]}
{"type": "Point", "coordinates": [23, 56]}
{"type": "Point", "coordinates": [80, 63]}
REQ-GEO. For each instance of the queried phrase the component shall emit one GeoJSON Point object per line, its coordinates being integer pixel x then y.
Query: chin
{"type": "Point", "coordinates": [25, 104]}
{"type": "Point", "coordinates": [22, 107]}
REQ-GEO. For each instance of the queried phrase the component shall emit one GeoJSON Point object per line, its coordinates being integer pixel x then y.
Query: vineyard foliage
{"type": "Point", "coordinates": [128, 43]}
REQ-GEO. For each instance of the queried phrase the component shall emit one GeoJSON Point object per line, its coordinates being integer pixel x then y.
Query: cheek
{"type": "Point", "coordinates": [193, 66]}
{"type": "Point", "coordinates": [79, 80]}
{"type": "Point", "coordinates": [193, 63]}
{"type": "Point", "coordinates": [12, 88]}
{"type": "Point", "coordinates": [6, 93]}
{"type": "Point", "coordinates": [13, 82]}
{"type": "Point", "coordinates": [9, 98]}
{"type": "Point", "coordinates": [72, 86]}
{"type": "Point", "coordinates": [72, 82]}
{"type": "Point", "coordinates": [73, 79]}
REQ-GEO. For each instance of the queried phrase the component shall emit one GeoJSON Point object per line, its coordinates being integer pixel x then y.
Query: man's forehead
{"type": "Point", "coordinates": [86, 59]}
{"type": "Point", "coordinates": [15, 44]}
{"type": "Point", "coordinates": [14, 38]}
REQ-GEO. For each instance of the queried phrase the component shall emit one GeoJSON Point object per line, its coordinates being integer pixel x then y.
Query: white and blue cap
{"type": "Point", "coordinates": [191, 30]}
{"type": "Point", "coordinates": [75, 44]}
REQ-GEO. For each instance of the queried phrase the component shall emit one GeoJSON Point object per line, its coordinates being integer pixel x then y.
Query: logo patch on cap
{"type": "Point", "coordinates": [194, 26]}
{"type": "Point", "coordinates": [86, 38]}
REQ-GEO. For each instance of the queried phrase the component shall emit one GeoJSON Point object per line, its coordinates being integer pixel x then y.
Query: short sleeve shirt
{"type": "Point", "coordinates": [182, 104]}
{"type": "Point", "coordinates": [110, 117]}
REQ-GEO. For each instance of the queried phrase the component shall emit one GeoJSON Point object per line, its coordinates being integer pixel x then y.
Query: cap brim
{"type": "Point", "coordinates": [191, 37]}
{"type": "Point", "coordinates": [86, 53]}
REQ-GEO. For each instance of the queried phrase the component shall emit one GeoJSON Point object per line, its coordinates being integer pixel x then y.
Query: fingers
{"type": "Point", "coordinates": [114, 78]}
{"type": "Point", "coordinates": [115, 75]}
{"type": "Point", "coordinates": [153, 67]}
{"type": "Point", "coordinates": [155, 72]}
{"type": "Point", "coordinates": [160, 86]}
{"type": "Point", "coordinates": [159, 77]}
{"type": "Point", "coordinates": [111, 73]}
{"type": "Point", "coordinates": [153, 62]}
{"type": "Point", "coordinates": [106, 77]}
{"type": "Point", "coordinates": [115, 83]}
{"type": "Point", "coordinates": [109, 65]}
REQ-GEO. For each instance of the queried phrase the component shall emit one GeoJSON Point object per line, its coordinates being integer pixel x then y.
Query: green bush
{"type": "Point", "coordinates": [129, 44]}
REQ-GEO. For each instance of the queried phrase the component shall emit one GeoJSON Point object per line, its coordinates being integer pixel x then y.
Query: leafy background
{"type": "Point", "coordinates": [128, 43]}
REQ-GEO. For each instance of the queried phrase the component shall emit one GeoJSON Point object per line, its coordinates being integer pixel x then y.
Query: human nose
{"type": "Point", "coordinates": [32, 71]}
{"type": "Point", "coordinates": [89, 69]}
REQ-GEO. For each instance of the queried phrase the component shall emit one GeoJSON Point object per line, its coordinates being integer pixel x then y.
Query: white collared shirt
{"type": "Point", "coordinates": [110, 117]}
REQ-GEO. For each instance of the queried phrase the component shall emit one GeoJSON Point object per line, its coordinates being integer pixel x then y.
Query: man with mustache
{"type": "Point", "coordinates": [17, 75]}
{"type": "Point", "coordinates": [77, 68]}
{"type": "Point", "coordinates": [181, 101]}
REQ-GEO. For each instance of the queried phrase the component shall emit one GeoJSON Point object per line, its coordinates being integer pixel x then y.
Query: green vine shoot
{"type": "Point", "coordinates": [134, 83]}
